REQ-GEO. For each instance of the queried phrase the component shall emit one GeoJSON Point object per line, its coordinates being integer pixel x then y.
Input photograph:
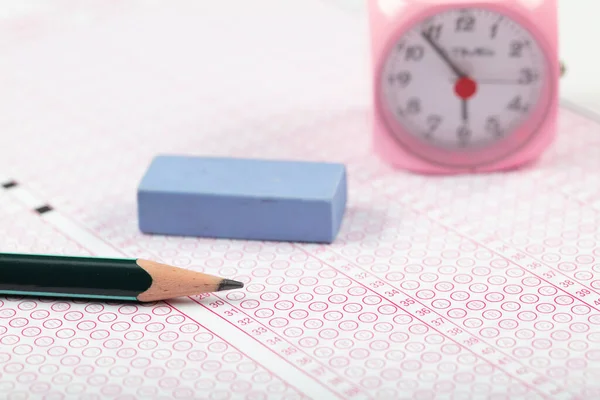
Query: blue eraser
{"type": "Point", "coordinates": [248, 199]}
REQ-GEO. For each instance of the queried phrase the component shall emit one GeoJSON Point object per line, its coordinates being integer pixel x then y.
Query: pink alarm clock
{"type": "Point", "coordinates": [464, 86]}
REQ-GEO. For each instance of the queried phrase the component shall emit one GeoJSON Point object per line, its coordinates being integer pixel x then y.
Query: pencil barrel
{"type": "Point", "coordinates": [50, 275]}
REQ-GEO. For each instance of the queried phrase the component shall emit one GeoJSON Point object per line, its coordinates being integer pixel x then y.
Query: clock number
{"type": "Point", "coordinates": [516, 48]}
{"type": "Point", "coordinates": [465, 23]}
{"type": "Point", "coordinates": [434, 31]}
{"type": "Point", "coordinates": [433, 122]}
{"type": "Point", "coordinates": [494, 29]}
{"type": "Point", "coordinates": [517, 105]}
{"type": "Point", "coordinates": [403, 78]}
{"type": "Point", "coordinates": [527, 76]}
{"type": "Point", "coordinates": [414, 53]}
{"type": "Point", "coordinates": [464, 134]}
{"type": "Point", "coordinates": [413, 106]}
{"type": "Point", "coordinates": [492, 126]}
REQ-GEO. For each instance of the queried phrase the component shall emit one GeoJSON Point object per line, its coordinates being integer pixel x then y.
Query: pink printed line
{"type": "Point", "coordinates": [533, 273]}
{"type": "Point", "coordinates": [168, 303]}
{"type": "Point", "coordinates": [558, 272]}
{"type": "Point", "coordinates": [276, 334]}
{"type": "Point", "coordinates": [464, 236]}
{"type": "Point", "coordinates": [257, 340]}
{"type": "Point", "coordinates": [220, 316]}
{"type": "Point", "coordinates": [527, 384]}
{"type": "Point", "coordinates": [449, 227]}
{"type": "Point", "coordinates": [289, 362]}
{"type": "Point", "coordinates": [455, 230]}
{"type": "Point", "coordinates": [211, 331]}
{"type": "Point", "coordinates": [194, 320]}
{"type": "Point", "coordinates": [240, 329]}
{"type": "Point", "coordinates": [588, 206]}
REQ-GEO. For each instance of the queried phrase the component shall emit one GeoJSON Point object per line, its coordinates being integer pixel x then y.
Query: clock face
{"type": "Point", "coordinates": [463, 79]}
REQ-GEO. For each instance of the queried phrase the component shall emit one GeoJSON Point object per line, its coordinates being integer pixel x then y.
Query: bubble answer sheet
{"type": "Point", "coordinates": [466, 287]}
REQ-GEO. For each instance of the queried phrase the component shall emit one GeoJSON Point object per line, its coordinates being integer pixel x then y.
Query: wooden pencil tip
{"type": "Point", "coordinates": [229, 284]}
{"type": "Point", "coordinates": [170, 282]}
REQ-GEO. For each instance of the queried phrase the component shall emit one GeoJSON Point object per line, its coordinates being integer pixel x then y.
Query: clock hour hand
{"type": "Point", "coordinates": [457, 71]}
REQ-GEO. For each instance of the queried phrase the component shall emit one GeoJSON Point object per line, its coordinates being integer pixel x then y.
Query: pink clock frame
{"type": "Point", "coordinates": [524, 146]}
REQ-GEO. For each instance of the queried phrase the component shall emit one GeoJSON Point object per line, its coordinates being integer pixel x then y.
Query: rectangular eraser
{"type": "Point", "coordinates": [248, 199]}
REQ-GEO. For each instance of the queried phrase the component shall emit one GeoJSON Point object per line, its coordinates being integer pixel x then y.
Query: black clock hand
{"type": "Point", "coordinates": [444, 56]}
{"type": "Point", "coordinates": [459, 74]}
{"type": "Point", "coordinates": [464, 132]}
{"type": "Point", "coordinates": [495, 82]}
{"type": "Point", "coordinates": [500, 82]}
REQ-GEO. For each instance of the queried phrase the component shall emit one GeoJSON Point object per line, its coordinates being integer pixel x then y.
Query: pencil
{"type": "Point", "coordinates": [103, 278]}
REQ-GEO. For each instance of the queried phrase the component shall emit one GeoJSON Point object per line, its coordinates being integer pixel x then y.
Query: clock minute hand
{"type": "Point", "coordinates": [444, 56]}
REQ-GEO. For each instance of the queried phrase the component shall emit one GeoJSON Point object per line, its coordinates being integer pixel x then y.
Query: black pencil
{"type": "Point", "coordinates": [103, 278]}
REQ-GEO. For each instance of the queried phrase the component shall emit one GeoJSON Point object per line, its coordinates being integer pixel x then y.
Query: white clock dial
{"type": "Point", "coordinates": [463, 79]}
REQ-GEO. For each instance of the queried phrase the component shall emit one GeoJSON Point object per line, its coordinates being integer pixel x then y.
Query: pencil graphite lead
{"type": "Point", "coordinates": [229, 284]}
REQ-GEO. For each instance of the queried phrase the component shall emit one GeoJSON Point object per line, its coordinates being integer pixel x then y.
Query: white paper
{"type": "Point", "coordinates": [483, 287]}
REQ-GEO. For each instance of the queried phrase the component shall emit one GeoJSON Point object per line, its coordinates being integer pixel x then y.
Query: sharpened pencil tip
{"type": "Point", "coordinates": [229, 284]}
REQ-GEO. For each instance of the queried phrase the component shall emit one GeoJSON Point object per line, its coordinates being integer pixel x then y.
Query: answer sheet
{"type": "Point", "coordinates": [468, 287]}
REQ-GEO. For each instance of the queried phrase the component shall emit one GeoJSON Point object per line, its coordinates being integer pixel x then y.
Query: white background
{"type": "Point", "coordinates": [580, 50]}
{"type": "Point", "coordinates": [579, 36]}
